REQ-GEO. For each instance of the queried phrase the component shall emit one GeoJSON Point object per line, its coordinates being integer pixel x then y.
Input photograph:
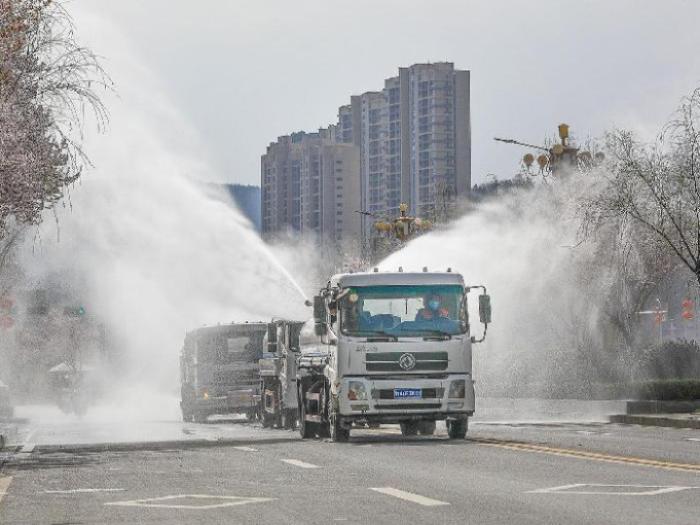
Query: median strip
{"type": "Point", "coordinates": [409, 496]}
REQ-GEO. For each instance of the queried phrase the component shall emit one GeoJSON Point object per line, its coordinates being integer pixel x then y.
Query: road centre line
{"type": "Point", "coordinates": [300, 464]}
{"type": "Point", "coordinates": [4, 485]}
{"type": "Point", "coordinates": [247, 449]}
{"type": "Point", "coordinates": [692, 439]}
{"type": "Point", "coordinates": [582, 454]}
{"type": "Point", "coordinates": [79, 491]}
{"type": "Point", "coordinates": [409, 496]}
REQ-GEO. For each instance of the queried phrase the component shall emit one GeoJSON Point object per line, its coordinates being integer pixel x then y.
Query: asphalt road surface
{"type": "Point", "coordinates": [505, 472]}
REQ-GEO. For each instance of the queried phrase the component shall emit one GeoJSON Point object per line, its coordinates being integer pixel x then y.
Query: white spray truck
{"type": "Point", "coordinates": [390, 347]}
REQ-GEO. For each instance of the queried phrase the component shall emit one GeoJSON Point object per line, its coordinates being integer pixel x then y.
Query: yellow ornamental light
{"type": "Point", "coordinates": [542, 160]}
{"type": "Point", "coordinates": [528, 159]}
{"type": "Point", "coordinates": [558, 149]}
{"type": "Point", "coordinates": [563, 132]}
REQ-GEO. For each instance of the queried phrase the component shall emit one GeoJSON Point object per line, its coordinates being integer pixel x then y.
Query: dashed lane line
{"type": "Point", "coordinates": [409, 496]}
{"type": "Point", "coordinates": [582, 454]}
{"type": "Point", "coordinates": [300, 464]}
{"type": "Point", "coordinates": [4, 485]}
{"type": "Point", "coordinates": [247, 449]}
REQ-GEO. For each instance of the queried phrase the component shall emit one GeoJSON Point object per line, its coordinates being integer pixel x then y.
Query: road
{"type": "Point", "coordinates": [506, 472]}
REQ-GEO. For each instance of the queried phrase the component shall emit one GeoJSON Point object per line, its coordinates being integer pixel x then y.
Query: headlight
{"type": "Point", "coordinates": [356, 391]}
{"type": "Point", "coordinates": [458, 388]}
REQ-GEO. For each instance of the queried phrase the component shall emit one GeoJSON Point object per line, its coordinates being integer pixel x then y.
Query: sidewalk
{"type": "Point", "coordinates": [687, 420]}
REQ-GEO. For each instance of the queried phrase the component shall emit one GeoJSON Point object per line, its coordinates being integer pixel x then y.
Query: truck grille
{"type": "Point", "coordinates": [409, 406]}
{"type": "Point", "coordinates": [389, 361]}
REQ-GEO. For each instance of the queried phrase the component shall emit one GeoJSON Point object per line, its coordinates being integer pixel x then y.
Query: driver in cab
{"type": "Point", "coordinates": [432, 309]}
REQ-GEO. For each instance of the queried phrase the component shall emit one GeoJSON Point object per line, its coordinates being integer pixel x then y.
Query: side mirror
{"type": "Point", "coordinates": [320, 328]}
{"type": "Point", "coordinates": [319, 315]}
{"type": "Point", "coordinates": [294, 332]}
{"type": "Point", "coordinates": [271, 337]}
{"type": "Point", "coordinates": [485, 308]}
{"type": "Point", "coordinates": [319, 309]}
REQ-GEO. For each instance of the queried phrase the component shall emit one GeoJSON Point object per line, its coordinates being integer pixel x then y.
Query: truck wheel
{"type": "Point", "coordinates": [306, 429]}
{"type": "Point", "coordinates": [426, 428]}
{"type": "Point", "coordinates": [289, 419]}
{"type": "Point", "coordinates": [267, 420]}
{"type": "Point", "coordinates": [457, 428]}
{"type": "Point", "coordinates": [409, 428]}
{"type": "Point", "coordinates": [338, 433]}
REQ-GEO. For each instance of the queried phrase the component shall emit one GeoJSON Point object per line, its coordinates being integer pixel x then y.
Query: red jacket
{"type": "Point", "coordinates": [426, 314]}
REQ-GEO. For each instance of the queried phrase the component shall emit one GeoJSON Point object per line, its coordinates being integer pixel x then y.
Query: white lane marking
{"type": "Point", "coordinates": [80, 491]}
{"type": "Point", "coordinates": [615, 490]}
{"type": "Point", "coordinates": [301, 464]}
{"type": "Point", "coordinates": [162, 502]}
{"type": "Point", "coordinates": [409, 496]}
{"type": "Point", "coordinates": [4, 485]}
{"type": "Point", "coordinates": [246, 449]}
{"type": "Point", "coordinates": [693, 439]}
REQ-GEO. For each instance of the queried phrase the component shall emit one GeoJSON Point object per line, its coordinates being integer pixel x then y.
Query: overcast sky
{"type": "Point", "coordinates": [244, 72]}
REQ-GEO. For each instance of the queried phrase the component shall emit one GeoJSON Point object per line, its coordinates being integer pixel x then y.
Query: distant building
{"type": "Point", "coordinates": [310, 185]}
{"type": "Point", "coordinates": [412, 140]}
{"type": "Point", "coordinates": [247, 198]}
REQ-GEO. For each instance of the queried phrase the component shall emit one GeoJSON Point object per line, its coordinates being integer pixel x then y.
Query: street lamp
{"type": "Point", "coordinates": [554, 159]}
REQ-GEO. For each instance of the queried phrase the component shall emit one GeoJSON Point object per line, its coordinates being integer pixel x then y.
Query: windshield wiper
{"type": "Point", "coordinates": [443, 336]}
{"type": "Point", "coordinates": [382, 336]}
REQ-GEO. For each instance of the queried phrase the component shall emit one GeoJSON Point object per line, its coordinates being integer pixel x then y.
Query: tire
{"type": "Point", "coordinates": [289, 419]}
{"type": "Point", "coordinates": [338, 433]}
{"type": "Point", "coordinates": [457, 428]}
{"type": "Point", "coordinates": [268, 420]}
{"type": "Point", "coordinates": [426, 428]}
{"type": "Point", "coordinates": [306, 429]}
{"type": "Point", "coordinates": [409, 428]}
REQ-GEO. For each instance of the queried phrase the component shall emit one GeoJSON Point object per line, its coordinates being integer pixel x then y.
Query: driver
{"type": "Point", "coordinates": [432, 309]}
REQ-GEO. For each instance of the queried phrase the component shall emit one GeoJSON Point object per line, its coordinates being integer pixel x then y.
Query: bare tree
{"type": "Point", "coordinates": [655, 187]}
{"type": "Point", "coordinates": [47, 81]}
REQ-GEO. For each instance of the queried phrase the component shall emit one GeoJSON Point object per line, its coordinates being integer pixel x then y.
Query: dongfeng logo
{"type": "Point", "coordinates": [407, 361]}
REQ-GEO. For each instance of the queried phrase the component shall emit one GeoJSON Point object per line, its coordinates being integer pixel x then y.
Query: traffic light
{"type": "Point", "coordinates": [687, 313]}
{"type": "Point", "coordinates": [74, 311]}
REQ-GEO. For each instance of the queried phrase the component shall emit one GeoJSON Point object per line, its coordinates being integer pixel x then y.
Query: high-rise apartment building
{"type": "Point", "coordinates": [412, 143]}
{"type": "Point", "coordinates": [310, 185]}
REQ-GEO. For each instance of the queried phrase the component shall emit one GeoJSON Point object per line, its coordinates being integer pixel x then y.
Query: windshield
{"type": "Point", "coordinates": [229, 348]}
{"type": "Point", "coordinates": [419, 310]}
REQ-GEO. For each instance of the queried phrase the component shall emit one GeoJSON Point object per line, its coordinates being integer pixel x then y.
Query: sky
{"type": "Point", "coordinates": [241, 73]}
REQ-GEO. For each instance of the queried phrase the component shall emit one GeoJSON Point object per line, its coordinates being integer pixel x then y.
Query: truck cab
{"type": "Point", "coordinates": [394, 347]}
{"type": "Point", "coordinates": [219, 370]}
{"type": "Point", "coordinates": [278, 400]}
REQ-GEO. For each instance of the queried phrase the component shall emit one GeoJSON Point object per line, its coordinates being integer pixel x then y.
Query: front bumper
{"type": "Point", "coordinates": [234, 402]}
{"type": "Point", "coordinates": [381, 406]}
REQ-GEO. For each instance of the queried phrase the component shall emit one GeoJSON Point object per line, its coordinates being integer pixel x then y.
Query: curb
{"type": "Point", "coordinates": [655, 421]}
{"type": "Point", "coordinates": [155, 445]}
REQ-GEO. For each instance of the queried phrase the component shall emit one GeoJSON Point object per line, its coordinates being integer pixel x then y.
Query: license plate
{"type": "Point", "coordinates": [407, 393]}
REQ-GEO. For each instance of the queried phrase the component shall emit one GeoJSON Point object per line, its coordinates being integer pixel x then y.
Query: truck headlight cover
{"type": "Point", "coordinates": [356, 391]}
{"type": "Point", "coordinates": [458, 388]}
